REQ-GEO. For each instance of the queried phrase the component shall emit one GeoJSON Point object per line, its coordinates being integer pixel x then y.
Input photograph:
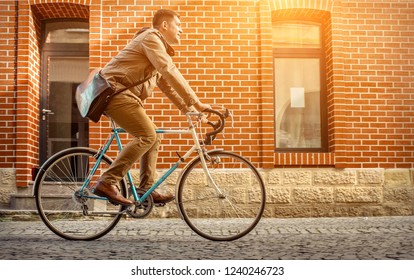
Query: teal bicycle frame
{"type": "Point", "coordinates": [116, 136]}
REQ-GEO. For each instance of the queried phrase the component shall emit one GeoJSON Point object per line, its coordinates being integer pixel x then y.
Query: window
{"type": "Point", "coordinates": [64, 32]}
{"type": "Point", "coordinates": [299, 75]}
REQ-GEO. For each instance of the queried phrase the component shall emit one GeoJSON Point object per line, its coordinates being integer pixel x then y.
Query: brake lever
{"type": "Point", "coordinates": [226, 113]}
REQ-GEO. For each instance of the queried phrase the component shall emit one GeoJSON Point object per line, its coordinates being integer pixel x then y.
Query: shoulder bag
{"type": "Point", "coordinates": [94, 93]}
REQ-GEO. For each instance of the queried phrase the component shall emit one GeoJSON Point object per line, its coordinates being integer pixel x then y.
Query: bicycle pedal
{"type": "Point", "coordinates": [159, 204]}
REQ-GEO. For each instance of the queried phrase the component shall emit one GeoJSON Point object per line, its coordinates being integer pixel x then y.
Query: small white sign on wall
{"type": "Point", "coordinates": [297, 97]}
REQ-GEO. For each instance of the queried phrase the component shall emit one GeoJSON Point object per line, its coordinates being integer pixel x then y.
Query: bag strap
{"type": "Point", "coordinates": [131, 86]}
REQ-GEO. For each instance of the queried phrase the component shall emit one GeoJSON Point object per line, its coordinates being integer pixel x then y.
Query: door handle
{"type": "Point", "coordinates": [46, 112]}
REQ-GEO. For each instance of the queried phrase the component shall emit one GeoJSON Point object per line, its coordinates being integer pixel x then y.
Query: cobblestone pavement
{"type": "Point", "coordinates": [276, 239]}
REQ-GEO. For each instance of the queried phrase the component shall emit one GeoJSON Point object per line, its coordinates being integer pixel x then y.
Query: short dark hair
{"type": "Point", "coordinates": [163, 15]}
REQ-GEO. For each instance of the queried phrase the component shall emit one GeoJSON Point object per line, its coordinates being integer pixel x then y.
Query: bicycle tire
{"type": "Point", "coordinates": [62, 211]}
{"type": "Point", "coordinates": [227, 217]}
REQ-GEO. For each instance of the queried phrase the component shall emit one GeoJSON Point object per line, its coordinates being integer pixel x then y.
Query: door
{"type": "Point", "coordinates": [65, 64]}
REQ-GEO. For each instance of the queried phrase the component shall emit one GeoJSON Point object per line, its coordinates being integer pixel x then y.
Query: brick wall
{"type": "Point", "coordinates": [220, 57]}
{"type": "Point", "coordinates": [7, 83]}
{"type": "Point", "coordinates": [226, 55]}
{"type": "Point", "coordinates": [378, 53]}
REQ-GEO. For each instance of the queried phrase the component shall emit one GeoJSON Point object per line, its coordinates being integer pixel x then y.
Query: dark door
{"type": "Point", "coordinates": [65, 64]}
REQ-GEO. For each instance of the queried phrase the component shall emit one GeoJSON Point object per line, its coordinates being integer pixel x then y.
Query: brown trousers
{"type": "Point", "coordinates": [128, 113]}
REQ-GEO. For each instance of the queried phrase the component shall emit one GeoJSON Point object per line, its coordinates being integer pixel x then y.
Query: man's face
{"type": "Point", "coordinates": [172, 31]}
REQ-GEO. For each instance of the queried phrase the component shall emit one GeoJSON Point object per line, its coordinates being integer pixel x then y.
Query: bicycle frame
{"type": "Point", "coordinates": [195, 148]}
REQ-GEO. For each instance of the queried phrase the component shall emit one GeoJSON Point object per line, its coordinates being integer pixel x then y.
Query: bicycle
{"type": "Point", "coordinates": [219, 194]}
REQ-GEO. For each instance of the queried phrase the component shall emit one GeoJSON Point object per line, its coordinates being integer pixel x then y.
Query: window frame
{"type": "Point", "coordinates": [305, 53]}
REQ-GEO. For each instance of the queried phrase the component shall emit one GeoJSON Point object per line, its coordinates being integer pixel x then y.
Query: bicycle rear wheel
{"type": "Point", "coordinates": [65, 209]}
{"type": "Point", "coordinates": [226, 213]}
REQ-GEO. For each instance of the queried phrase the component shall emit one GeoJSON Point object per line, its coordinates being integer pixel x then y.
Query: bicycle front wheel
{"type": "Point", "coordinates": [67, 210]}
{"type": "Point", "coordinates": [230, 207]}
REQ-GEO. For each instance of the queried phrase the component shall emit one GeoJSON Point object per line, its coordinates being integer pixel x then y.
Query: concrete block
{"type": "Point", "coordinates": [297, 177]}
{"type": "Point", "coordinates": [397, 178]}
{"type": "Point", "coordinates": [399, 195]}
{"type": "Point", "coordinates": [370, 176]}
{"type": "Point", "coordinates": [313, 195]}
{"type": "Point", "coordinates": [7, 184]}
{"type": "Point", "coordinates": [334, 177]}
{"type": "Point", "coordinates": [358, 195]}
{"type": "Point", "coordinates": [278, 195]}
{"type": "Point", "coordinates": [274, 177]}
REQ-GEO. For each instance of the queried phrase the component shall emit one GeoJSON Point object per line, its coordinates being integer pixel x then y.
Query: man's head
{"type": "Point", "coordinates": [169, 24]}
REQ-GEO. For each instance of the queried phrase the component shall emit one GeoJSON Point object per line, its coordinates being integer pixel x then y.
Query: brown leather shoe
{"type": "Point", "coordinates": [111, 192]}
{"type": "Point", "coordinates": [161, 198]}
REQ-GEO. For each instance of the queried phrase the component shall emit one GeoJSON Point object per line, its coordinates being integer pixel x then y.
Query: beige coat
{"type": "Point", "coordinates": [149, 55]}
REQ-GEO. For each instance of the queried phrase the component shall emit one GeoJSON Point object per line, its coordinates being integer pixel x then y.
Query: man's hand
{"type": "Point", "coordinates": [201, 107]}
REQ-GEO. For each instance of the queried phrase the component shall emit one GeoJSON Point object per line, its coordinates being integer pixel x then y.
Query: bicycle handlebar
{"type": "Point", "coordinates": [217, 126]}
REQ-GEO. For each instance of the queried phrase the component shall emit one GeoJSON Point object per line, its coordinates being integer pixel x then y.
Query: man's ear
{"type": "Point", "coordinates": [164, 24]}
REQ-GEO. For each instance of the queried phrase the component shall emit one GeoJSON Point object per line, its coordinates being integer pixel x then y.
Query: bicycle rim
{"type": "Point", "coordinates": [231, 214]}
{"type": "Point", "coordinates": [60, 204]}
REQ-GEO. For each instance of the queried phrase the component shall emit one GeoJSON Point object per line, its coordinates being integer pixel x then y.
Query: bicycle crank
{"type": "Point", "coordinates": [141, 209]}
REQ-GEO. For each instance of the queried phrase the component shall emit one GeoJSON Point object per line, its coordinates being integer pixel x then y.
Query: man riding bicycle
{"type": "Point", "coordinates": [147, 56]}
